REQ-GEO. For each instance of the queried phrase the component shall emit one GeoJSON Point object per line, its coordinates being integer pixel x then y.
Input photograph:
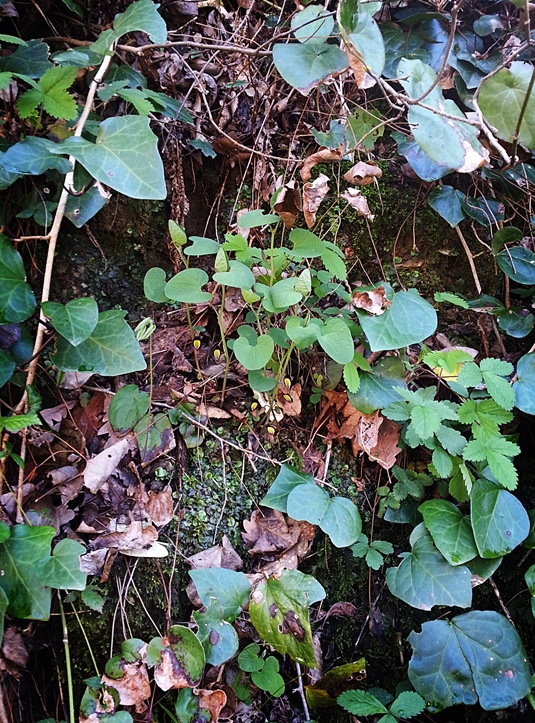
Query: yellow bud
{"type": "Point", "coordinates": [217, 354]}
{"type": "Point", "coordinates": [254, 405]}
{"type": "Point", "coordinates": [197, 343]}
{"type": "Point", "coordinates": [287, 397]}
{"type": "Point", "coordinates": [271, 430]}
{"type": "Point", "coordinates": [287, 382]}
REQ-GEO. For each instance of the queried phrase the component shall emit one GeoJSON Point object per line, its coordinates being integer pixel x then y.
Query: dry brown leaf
{"type": "Point", "coordinates": [268, 532]}
{"type": "Point", "coordinates": [288, 204]}
{"type": "Point", "coordinates": [212, 412]}
{"type": "Point", "coordinates": [99, 468]}
{"type": "Point", "coordinates": [134, 537]}
{"type": "Point", "coordinates": [223, 555]}
{"type": "Point", "coordinates": [14, 652]}
{"type": "Point", "coordinates": [356, 63]}
{"type": "Point", "coordinates": [62, 474]}
{"type": "Point", "coordinates": [359, 202]}
{"type": "Point", "coordinates": [159, 507]}
{"type": "Point", "coordinates": [56, 414]}
{"type": "Point", "coordinates": [362, 174]}
{"type": "Point", "coordinates": [386, 449]}
{"type": "Point", "coordinates": [133, 687]}
{"type": "Point", "coordinates": [168, 673]}
{"type": "Point", "coordinates": [325, 155]}
{"type": "Point", "coordinates": [373, 301]}
{"type": "Point", "coordinates": [213, 701]}
{"type": "Point", "coordinates": [289, 400]}
{"type": "Point", "coordinates": [313, 194]}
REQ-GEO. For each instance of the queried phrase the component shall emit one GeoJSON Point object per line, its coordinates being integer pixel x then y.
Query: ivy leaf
{"type": "Point", "coordinates": [288, 478]}
{"type": "Point", "coordinates": [17, 301]}
{"type": "Point", "coordinates": [75, 321]}
{"type": "Point", "coordinates": [409, 320]}
{"type": "Point", "coordinates": [499, 521]}
{"type": "Point", "coordinates": [52, 94]}
{"type": "Point", "coordinates": [305, 65]}
{"type": "Point", "coordinates": [476, 655]}
{"type": "Point", "coordinates": [425, 579]}
{"type": "Point", "coordinates": [110, 350]}
{"type": "Point", "coordinates": [446, 201]}
{"type": "Point", "coordinates": [139, 16]}
{"type": "Point", "coordinates": [125, 157]}
{"type": "Point", "coordinates": [62, 569]}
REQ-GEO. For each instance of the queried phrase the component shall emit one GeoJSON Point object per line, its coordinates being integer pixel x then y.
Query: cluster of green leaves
{"type": "Point", "coordinates": [407, 704]}
{"type": "Point", "coordinates": [282, 289]}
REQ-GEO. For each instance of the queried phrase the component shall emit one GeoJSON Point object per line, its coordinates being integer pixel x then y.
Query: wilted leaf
{"type": "Point", "coordinates": [133, 686]}
{"type": "Point", "coordinates": [373, 301]}
{"type": "Point", "coordinates": [313, 194]}
{"type": "Point", "coordinates": [159, 507]}
{"type": "Point", "coordinates": [99, 468]}
{"type": "Point", "coordinates": [362, 174]}
{"type": "Point", "coordinates": [359, 202]}
{"type": "Point", "coordinates": [213, 701]}
{"type": "Point", "coordinates": [325, 155]}
{"type": "Point", "coordinates": [288, 204]}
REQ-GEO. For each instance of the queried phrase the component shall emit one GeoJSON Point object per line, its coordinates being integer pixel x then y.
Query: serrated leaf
{"type": "Point", "coordinates": [359, 702]}
{"type": "Point", "coordinates": [110, 350]}
{"type": "Point", "coordinates": [351, 377]}
{"type": "Point", "coordinates": [496, 450]}
{"type": "Point", "coordinates": [75, 320]}
{"type": "Point", "coordinates": [19, 421]}
{"type": "Point", "coordinates": [476, 655]}
{"type": "Point", "coordinates": [52, 94]}
{"type": "Point", "coordinates": [407, 705]}
{"type": "Point", "coordinates": [499, 521]}
{"type": "Point", "coordinates": [132, 168]}
{"type": "Point", "coordinates": [425, 579]}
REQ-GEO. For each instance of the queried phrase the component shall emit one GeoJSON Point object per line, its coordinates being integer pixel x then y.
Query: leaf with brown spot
{"type": "Point", "coordinates": [325, 155]}
{"type": "Point", "coordinates": [373, 301]}
{"type": "Point", "coordinates": [134, 687]}
{"type": "Point", "coordinates": [288, 204]}
{"type": "Point", "coordinates": [313, 194]}
{"type": "Point", "coordinates": [362, 174]}
{"type": "Point", "coordinates": [359, 202]}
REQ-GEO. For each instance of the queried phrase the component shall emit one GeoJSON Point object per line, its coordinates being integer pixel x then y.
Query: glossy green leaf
{"type": "Point", "coordinates": [288, 478]}
{"type": "Point", "coordinates": [110, 350]}
{"type": "Point", "coordinates": [502, 98]}
{"type": "Point", "coordinates": [75, 321]}
{"type": "Point", "coordinates": [154, 284]}
{"type": "Point", "coordinates": [186, 287]}
{"type": "Point", "coordinates": [141, 15]}
{"type": "Point", "coordinates": [33, 156]}
{"type": "Point", "coordinates": [230, 588]}
{"type": "Point", "coordinates": [524, 387]}
{"type": "Point", "coordinates": [17, 301]}
{"type": "Point", "coordinates": [335, 339]}
{"type": "Point", "coordinates": [506, 235]}
{"type": "Point", "coordinates": [7, 366]}
{"type": "Point", "coordinates": [516, 322]}
{"type": "Point", "coordinates": [478, 655]}
{"type": "Point", "coordinates": [451, 532]}
{"type": "Point", "coordinates": [446, 201]}
{"type": "Point", "coordinates": [256, 355]}
{"type": "Point", "coordinates": [409, 320]}
{"type": "Point", "coordinates": [202, 246]}
{"type": "Point", "coordinates": [341, 521]}
{"type": "Point", "coordinates": [307, 502]}
{"type": "Point", "coordinates": [279, 612]}
{"type": "Point", "coordinates": [125, 157]}
{"type": "Point", "coordinates": [518, 264]}
{"type": "Point", "coordinates": [80, 209]}
{"type": "Point", "coordinates": [499, 521]}
{"type": "Point", "coordinates": [217, 636]}
{"type": "Point", "coordinates": [22, 582]}
{"type": "Point", "coordinates": [127, 407]}
{"type": "Point", "coordinates": [62, 569]}
{"type": "Point", "coordinates": [304, 65]}
{"type": "Point", "coordinates": [239, 276]}
{"type": "Point", "coordinates": [313, 23]}
{"type": "Point", "coordinates": [154, 434]}
{"type": "Point", "coordinates": [379, 388]}
{"type": "Point", "coordinates": [30, 59]}
{"type": "Point", "coordinates": [425, 579]}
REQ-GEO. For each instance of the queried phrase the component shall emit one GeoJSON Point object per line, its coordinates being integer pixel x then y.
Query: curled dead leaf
{"type": "Point", "coordinates": [134, 687]}
{"type": "Point", "coordinates": [313, 194]}
{"type": "Point", "coordinates": [222, 555]}
{"type": "Point", "coordinates": [359, 202]}
{"type": "Point", "coordinates": [135, 536]}
{"type": "Point", "coordinates": [159, 507]}
{"type": "Point", "coordinates": [99, 468]}
{"type": "Point", "coordinates": [373, 301]}
{"type": "Point", "coordinates": [288, 204]}
{"type": "Point", "coordinates": [362, 174]}
{"type": "Point", "coordinates": [289, 400]}
{"type": "Point", "coordinates": [324, 155]}
{"type": "Point", "coordinates": [213, 701]}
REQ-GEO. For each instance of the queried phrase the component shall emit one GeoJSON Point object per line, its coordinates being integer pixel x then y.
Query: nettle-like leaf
{"type": "Point", "coordinates": [478, 655]}
{"type": "Point", "coordinates": [484, 413]}
{"type": "Point", "coordinates": [279, 612]}
{"type": "Point", "coordinates": [373, 553]}
{"type": "Point", "coordinates": [497, 452]}
{"type": "Point", "coordinates": [51, 93]}
{"type": "Point", "coordinates": [424, 414]}
{"type": "Point", "coordinates": [492, 373]}
{"type": "Point", "coordinates": [450, 530]}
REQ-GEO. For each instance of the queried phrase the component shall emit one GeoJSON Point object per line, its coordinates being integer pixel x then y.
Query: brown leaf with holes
{"type": "Point", "coordinates": [359, 202]}
{"type": "Point", "coordinates": [159, 507]}
{"type": "Point", "coordinates": [362, 174]}
{"type": "Point", "coordinates": [325, 155]}
{"type": "Point", "coordinates": [288, 204]}
{"type": "Point", "coordinates": [313, 194]}
{"type": "Point", "coordinates": [133, 687]}
{"type": "Point", "coordinates": [386, 449]}
{"type": "Point", "coordinates": [213, 701]}
{"type": "Point", "coordinates": [373, 301]}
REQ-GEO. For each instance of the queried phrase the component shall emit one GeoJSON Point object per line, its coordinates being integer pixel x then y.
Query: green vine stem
{"type": "Point", "coordinates": [65, 632]}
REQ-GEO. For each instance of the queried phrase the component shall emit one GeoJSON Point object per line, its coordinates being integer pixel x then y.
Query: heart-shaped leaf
{"type": "Point", "coordinates": [524, 387]}
{"type": "Point", "coordinates": [132, 168]}
{"type": "Point", "coordinates": [446, 201]}
{"type": "Point", "coordinates": [257, 218]}
{"type": "Point", "coordinates": [62, 569]}
{"type": "Point", "coordinates": [425, 579]}
{"type": "Point", "coordinates": [342, 522]}
{"type": "Point", "coordinates": [127, 407]}
{"type": "Point", "coordinates": [217, 636]}
{"type": "Point", "coordinates": [305, 65]}
{"type": "Point", "coordinates": [230, 588]}
{"type": "Point", "coordinates": [178, 658]}
{"type": "Point", "coordinates": [239, 276]}
{"type": "Point", "coordinates": [202, 246]}
{"type": "Point", "coordinates": [186, 287]}
{"type": "Point", "coordinates": [476, 655]}
{"type": "Point", "coordinates": [303, 335]}
{"type": "Point", "coordinates": [17, 301]}
{"type": "Point", "coordinates": [499, 521]}
{"type": "Point", "coordinates": [312, 23]}
{"type": "Point", "coordinates": [260, 382]}
{"type": "Point", "coordinates": [518, 264]}
{"type": "Point", "coordinates": [409, 320]}
{"type": "Point", "coordinates": [268, 678]}
{"type": "Point", "coordinates": [335, 339]}
{"type": "Point", "coordinates": [378, 388]}
{"type": "Point", "coordinates": [75, 321]}
{"type": "Point", "coordinates": [287, 479]}
{"type": "Point", "coordinates": [306, 245]}
{"type": "Point", "coordinates": [154, 284]}
{"type": "Point", "coordinates": [450, 530]}
{"type": "Point", "coordinates": [254, 356]}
